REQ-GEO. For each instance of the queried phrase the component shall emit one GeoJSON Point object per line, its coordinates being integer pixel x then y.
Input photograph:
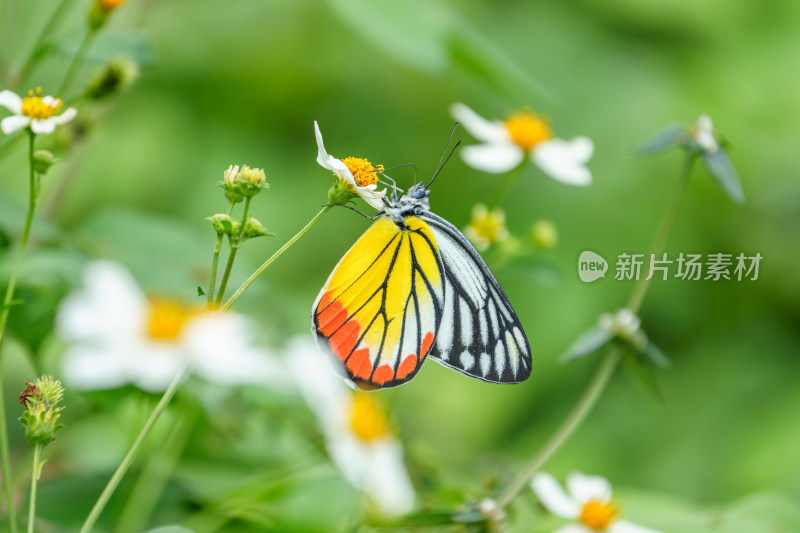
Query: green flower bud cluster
{"type": "Point", "coordinates": [42, 411]}
{"type": "Point", "coordinates": [243, 182]}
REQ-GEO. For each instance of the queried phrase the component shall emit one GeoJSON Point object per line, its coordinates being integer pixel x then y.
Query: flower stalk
{"type": "Point", "coordinates": [77, 61]}
{"type": "Point", "coordinates": [215, 262]}
{"type": "Point", "coordinates": [37, 470]}
{"type": "Point", "coordinates": [235, 243]}
{"type": "Point", "coordinates": [609, 363]}
{"type": "Point", "coordinates": [283, 249]}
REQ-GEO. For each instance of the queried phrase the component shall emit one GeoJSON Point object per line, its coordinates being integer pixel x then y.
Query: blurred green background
{"type": "Point", "coordinates": [243, 81]}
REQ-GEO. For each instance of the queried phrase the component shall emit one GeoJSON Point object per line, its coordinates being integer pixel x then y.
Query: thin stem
{"type": "Point", "coordinates": [660, 240]}
{"type": "Point", "coordinates": [235, 243]}
{"type": "Point", "coordinates": [9, 297]}
{"type": "Point", "coordinates": [505, 187]}
{"type": "Point", "coordinates": [215, 262]}
{"type": "Point", "coordinates": [101, 502]}
{"type": "Point", "coordinates": [36, 51]}
{"type": "Point", "coordinates": [260, 270]}
{"type": "Point", "coordinates": [76, 63]}
{"type": "Point", "coordinates": [606, 369]}
{"type": "Point", "coordinates": [573, 421]}
{"type": "Point", "coordinates": [37, 451]}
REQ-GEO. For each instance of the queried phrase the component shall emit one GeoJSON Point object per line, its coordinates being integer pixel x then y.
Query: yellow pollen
{"type": "Point", "coordinates": [368, 420]}
{"type": "Point", "coordinates": [362, 170]}
{"type": "Point", "coordinates": [527, 130]}
{"type": "Point", "coordinates": [597, 515]}
{"type": "Point", "coordinates": [34, 106]}
{"type": "Point", "coordinates": [166, 319]}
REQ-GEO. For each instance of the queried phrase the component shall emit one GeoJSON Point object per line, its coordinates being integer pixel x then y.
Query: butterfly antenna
{"type": "Point", "coordinates": [443, 160]}
{"type": "Point", "coordinates": [393, 185]}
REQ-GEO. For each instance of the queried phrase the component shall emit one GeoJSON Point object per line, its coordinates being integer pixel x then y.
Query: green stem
{"type": "Point", "coordinates": [214, 264]}
{"type": "Point", "coordinates": [573, 421]}
{"type": "Point", "coordinates": [76, 63]}
{"type": "Point", "coordinates": [660, 241]}
{"type": "Point", "coordinates": [37, 451]}
{"type": "Point", "coordinates": [36, 51]}
{"type": "Point", "coordinates": [506, 186]}
{"type": "Point", "coordinates": [235, 244]}
{"type": "Point", "coordinates": [9, 297]}
{"type": "Point", "coordinates": [101, 502]}
{"type": "Point", "coordinates": [606, 369]}
{"type": "Point", "coordinates": [260, 270]}
{"type": "Point", "coordinates": [148, 489]}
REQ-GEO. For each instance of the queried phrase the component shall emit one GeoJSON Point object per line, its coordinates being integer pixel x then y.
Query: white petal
{"type": "Point", "coordinates": [623, 526]}
{"type": "Point", "coordinates": [43, 126]}
{"type": "Point", "coordinates": [110, 308]}
{"type": "Point", "coordinates": [704, 123]}
{"type": "Point", "coordinates": [221, 348]}
{"type": "Point", "coordinates": [14, 123]}
{"type": "Point", "coordinates": [573, 528]}
{"type": "Point", "coordinates": [494, 158]}
{"type": "Point", "coordinates": [373, 198]}
{"type": "Point", "coordinates": [11, 101]}
{"type": "Point", "coordinates": [325, 160]}
{"type": "Point", "coordinates": [321, 388]}
{"type": "Point", "coordinates": [553, 497]}
{"type": "Point", "coordinates": [565, 160]}
{"type": "Point", "coordinates": [65, 117]}
{"type": "Point", "coordinates": [155, 365]}
{"type": "Point", "coordinates": [586, 488]}
{"type": "Point", "coordinates": [89, 368]}
{"type": "Point", "coordinates": [479, 127]}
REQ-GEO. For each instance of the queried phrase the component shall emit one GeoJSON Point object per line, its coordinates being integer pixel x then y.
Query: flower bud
{"type": "Point", "coordinates": [224, 224]}
{"type": "Point", "coordinates": [252, 180]}
{"type": "Point", "coordinates": [116, 75]}
{"type": "Point", "coordinates": [100, 11]}
{"type": "Point", "coordinates": [42, 161]}
{"type": "Point", "coordinates": [544, 235]}
{"type": "Point", "coordinates": [253, 228]}
{"type": "Point", "coordinates": [40, 419]}
{"type": "Point", "coordinates": [230, 184]}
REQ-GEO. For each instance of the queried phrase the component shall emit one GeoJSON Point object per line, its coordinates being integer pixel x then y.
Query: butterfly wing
{"type": "Point", "coordinates": [480, 334]}
{"type": "Point", "coordinates": [381, 307]}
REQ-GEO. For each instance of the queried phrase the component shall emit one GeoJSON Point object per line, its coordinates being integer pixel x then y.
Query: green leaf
{"type": "Point", "coordinates": [588, 343]}
{"type": "Point", "coordinates": [656, 355]}
{"type": "Point", "coordinates": [200, 291]}
{"type": "Point", "coordinates": [721, 167]}
{"type": "Point", "coordinates": [643, 376]}
{"type": "Point", "coordinates": [672, 136]}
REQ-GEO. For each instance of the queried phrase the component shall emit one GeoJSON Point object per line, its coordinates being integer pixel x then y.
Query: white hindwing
{"type": "Point", "coordinates": [480, 334]}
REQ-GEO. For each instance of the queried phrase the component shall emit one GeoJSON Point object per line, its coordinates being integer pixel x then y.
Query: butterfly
{"type": "Point", "coordinates": [413, 286]}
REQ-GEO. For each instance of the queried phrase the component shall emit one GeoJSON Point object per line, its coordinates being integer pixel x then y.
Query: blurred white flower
{"type": "Point", "coordinates": [357, 431]}
{"type": "Point", "coordinates": [625, 325]}
{"type": "Point", "coordinates": [355, 174]}
{"type": "Point", "coordinates": [588, 502]}
{"type": "Point", "coordinates": [507, 143]}
{"type": "Point", "coordinates": [37, 111]}
{"type": "Point", "coordinates": [703, 134]}
{"type": "Point", "coordinates": [115, 335]}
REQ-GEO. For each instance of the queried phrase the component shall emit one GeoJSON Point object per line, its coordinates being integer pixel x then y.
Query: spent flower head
{"type": "Point", "coordinates": [37, 112]}
{"type": "Point", "coordinates": [587, 503]}
{"type": "Point", "coordinates": [41, 400]}
{"type": "Point", "coordinates": [523, 134]}
{"type": "Point", "coordinates": [116, 75]}
{"type": "Point", "coordinates": [486, 227]}
{"type": "Point", "coordinates": [353, 176]}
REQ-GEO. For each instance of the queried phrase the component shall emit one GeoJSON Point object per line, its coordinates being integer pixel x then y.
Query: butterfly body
{"type": "Point", "coordinates": [413, 286]}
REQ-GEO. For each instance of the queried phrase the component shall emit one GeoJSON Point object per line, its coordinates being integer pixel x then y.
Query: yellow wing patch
{"type": "Point", "coordinates": [381, 307]}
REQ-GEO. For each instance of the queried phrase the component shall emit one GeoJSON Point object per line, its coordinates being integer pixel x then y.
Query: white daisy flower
{"type": "Point", "coordinates": [116, 335]}
{"type": "Point", "coordinates": [358, 434]}
{"type": "Point", "coordinates": [355, 174]}
{"type": "Point", "coordinates": [523, 134]}
{"type": "Point", "coordinates": [35, 111]}
{"type": "Point", "coordinates": [703, 134]}
{"type": "Point", "coordinates": [588, 502]}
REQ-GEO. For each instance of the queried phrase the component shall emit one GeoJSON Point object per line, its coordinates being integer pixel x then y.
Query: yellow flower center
{"type": "Point", "coordinates": [34, 106]}
{"type": "Point", "coordinates": [368, 420]}
{"type": "Point", "coordinates": [487, 227]}
{"type": "Point", "coordinates": [166, 319]}
{"type": "Point", "coordinates": [527, 130]}
{"type": "Point", "coordinates": [597, 515]}
{"type": "Point", "coordinates": [110, 5]}
{"type": "Point", "coordinates": [362, 170]}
